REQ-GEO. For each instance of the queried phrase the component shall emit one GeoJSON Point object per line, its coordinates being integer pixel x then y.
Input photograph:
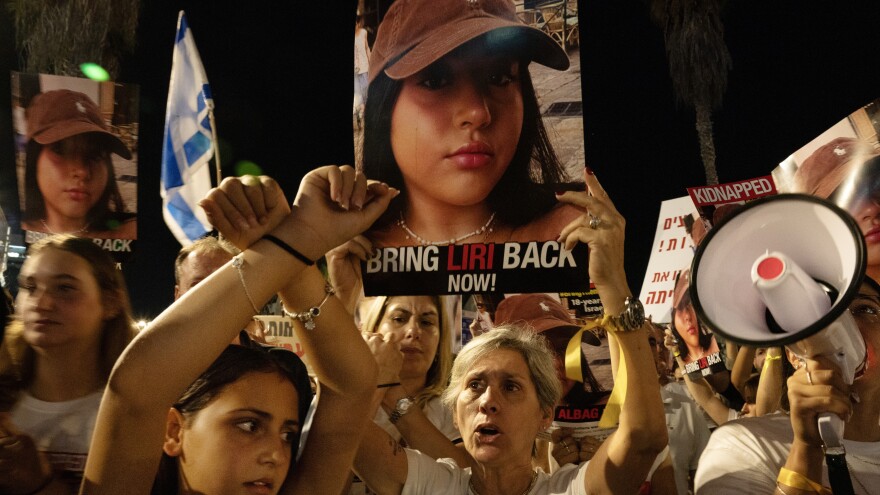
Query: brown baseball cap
{"type": "Point", "coordinates": [416, 33]}
{"type": "Point", "coordinates": [60, 114]}
{"type": "Point", "coordinates": [540, 313]}
{"type": "Point", "coordinates": [828, 166]}
{"type": "Point", "coordinates": [682, 283]}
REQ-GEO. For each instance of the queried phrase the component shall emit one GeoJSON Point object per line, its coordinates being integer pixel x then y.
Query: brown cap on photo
{"type": "Point", "coordinates": [541, 313]}
{"type": "Point", "coordinates": [60, 114]}
{"type": "Point", "coordinates": [827, 167]}
{"type": "Point", "coordinates": [416, 33]}
{"type": "Point", "coordinates": [682, 282]}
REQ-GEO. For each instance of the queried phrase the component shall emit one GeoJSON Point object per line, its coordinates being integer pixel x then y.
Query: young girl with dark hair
{"type": "Point", "coordinates": [235, 428]}
{"type": "Point", "coordinates": [452, 120]}
{"type": "Point", "coordinates": [69, 180]}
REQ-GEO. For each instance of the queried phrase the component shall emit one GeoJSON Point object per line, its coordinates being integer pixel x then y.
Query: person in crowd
{"type": "Point", "coordinates": [845, 171]}
{"type": "Point", "coordinates": [504, 388]}
{"type": "Point", "coordinates": [235, 427]}
{"type": "Point", "coordinates": [695, 342]}
{"type": "Point", "coordinates": [413, 377]}
{"type": "Point", "coordinates": [718, 410]}
{"type": "Point", "coordinates": [484, 320]}
{"type": "Point", "coordinates": [198, 260]}
{"type": "Point", "coordinates": [361, 68]}
{"type": "Point", "coordinates": [784, 452]}
{"type": "Point", "coordinates": [685, 422]}
{"type": "Point", "coordinates": [69, 179]}
{"type": "Point", "coordinates": [547, 317]}
{"type": "Point", "coordinates": [72, 321]}
{"type": "Point", "coordinates": [453, 121]}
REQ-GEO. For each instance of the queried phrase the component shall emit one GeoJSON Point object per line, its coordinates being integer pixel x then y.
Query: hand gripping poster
{"type": "Point", "coordinates": [472, 110]}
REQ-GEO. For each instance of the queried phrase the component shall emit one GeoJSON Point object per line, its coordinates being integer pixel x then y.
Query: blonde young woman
{"type": "Point", "coordinates": [72, 322]}
{"type": "Point", "coordinates": [412, 380]}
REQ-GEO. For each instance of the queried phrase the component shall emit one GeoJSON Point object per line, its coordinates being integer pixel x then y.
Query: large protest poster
{"type": "Point", "coordinates": [842, 165]}
{"type": "Point", "coordinates": [477, 211]}
{"type": "Point", "coordinates": [672, 252]}
{"type": "Point", "coordinates": [682, 225]}
{"type": "Point", "coordinates": [76, 158]}
{"type": "Point", "coordinates": [477, 214]}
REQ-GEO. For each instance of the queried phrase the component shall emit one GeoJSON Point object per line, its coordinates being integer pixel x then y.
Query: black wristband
{"type": "Point", "coordinates": [287, 247]}
{"type": "Point", "coordinates": [388, 385]}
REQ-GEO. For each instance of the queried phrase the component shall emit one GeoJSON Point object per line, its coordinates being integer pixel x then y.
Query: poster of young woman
{"type": "Point", "coordinates": [76, 157]}
{"type": "Point", "coordinates": [843, 165]}
{"type": "Point", "coordinates": [452, 119]}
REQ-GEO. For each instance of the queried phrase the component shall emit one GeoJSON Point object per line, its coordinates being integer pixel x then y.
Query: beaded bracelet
{"type": "Point", "coordinates": [308, 316]}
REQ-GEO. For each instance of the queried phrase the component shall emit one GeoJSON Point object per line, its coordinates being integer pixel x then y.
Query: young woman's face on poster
{"type": "Point", "coordinates": [866, 211]}
{"type": "Point", "coordinates": [687, 325]}
{"type": "Point", "coordinates": [456, 125]}
{"type": "Point", "coordinates": [72, 175]}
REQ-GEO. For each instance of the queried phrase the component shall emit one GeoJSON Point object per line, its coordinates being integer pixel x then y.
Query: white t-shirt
{"type": "Point", "coordinates": [439, 416]}
{"type": "Point", "coordinates": [745, 456]}
{"type": "Point", "coordinates": [688, 431]}
{"type": "Point", "coordinates": [61, 430]}
{"type": "Point", "coordinates": [426, 476]}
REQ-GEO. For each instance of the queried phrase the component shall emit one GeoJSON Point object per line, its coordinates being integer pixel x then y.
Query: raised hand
{"type": "Point", "coordinates": [245, 208]}
{"type": "Point", "coordinates": [344, 267]}
{"type": "Point", "coordinates": [601, 227]}
{"type": "Point", "coordinates": [386, 351]}
{"type": "Point", "coordinates": [333, 205]}
{"type": "Point", "coordinates": [816, 387]}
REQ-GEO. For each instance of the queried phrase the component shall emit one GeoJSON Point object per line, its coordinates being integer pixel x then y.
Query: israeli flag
{"type": "Point", "coordinates": [188, 144]}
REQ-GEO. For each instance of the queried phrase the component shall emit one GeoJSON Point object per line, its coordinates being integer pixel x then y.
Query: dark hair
{"type": "Point", "coordinates": [104, 215]}
{"type": "Point", "coordinates": [17, 359]}
{"type": "Point", "coordinates": [234, 363]}
{"type": "Point", "coordinates": [531, 178]}
{"type": "Point", "coordinates": [705, 336]}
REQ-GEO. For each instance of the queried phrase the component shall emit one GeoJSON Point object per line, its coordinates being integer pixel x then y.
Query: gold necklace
{"type": "Point", "coordinates": [473, 490]}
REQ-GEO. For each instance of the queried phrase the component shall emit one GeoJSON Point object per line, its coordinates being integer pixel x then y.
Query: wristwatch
{"type": "Point", "coordinates": [402, 407]}
{"type": "Point", "coordinates": [631, 318]}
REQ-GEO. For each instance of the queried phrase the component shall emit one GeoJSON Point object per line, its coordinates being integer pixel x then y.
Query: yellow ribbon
{"type": "Point", "coordinates": [573, 371]}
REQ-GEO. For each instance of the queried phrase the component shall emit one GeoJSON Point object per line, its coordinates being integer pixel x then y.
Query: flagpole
{"type": "Point", "coordinates": [214, 142]}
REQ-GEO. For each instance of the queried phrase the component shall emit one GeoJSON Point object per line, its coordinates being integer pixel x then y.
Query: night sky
{"type": "Point", "coordinates": [282, 82]}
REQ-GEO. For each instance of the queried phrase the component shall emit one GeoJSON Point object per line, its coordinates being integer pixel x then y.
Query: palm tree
{"type": "Point", "coordinates": [56, 36]}
{"type": "Point", "coordinates": [698, 63]}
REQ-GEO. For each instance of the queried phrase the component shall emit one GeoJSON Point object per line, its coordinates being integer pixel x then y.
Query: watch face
{"type": "Point", "coordinates": [404, 404]}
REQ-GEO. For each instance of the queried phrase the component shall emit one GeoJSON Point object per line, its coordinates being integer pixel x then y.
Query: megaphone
{"type": "Point", "coordinates": [783, 271]}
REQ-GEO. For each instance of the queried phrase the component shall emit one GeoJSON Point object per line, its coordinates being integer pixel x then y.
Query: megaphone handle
{"type": "Point", "coordinates": [831, 429]}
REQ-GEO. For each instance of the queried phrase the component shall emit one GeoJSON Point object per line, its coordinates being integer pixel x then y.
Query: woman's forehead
{"type": "Point", "coordinates": [414, 304]}
{"type": "Point", "coordinates": [507, 362]}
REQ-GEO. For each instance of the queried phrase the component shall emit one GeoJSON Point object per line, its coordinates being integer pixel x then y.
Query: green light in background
{"type": "Point", "coordinates": [247, 167]}
{"type": "Point", "coordinates": [94, 71]}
